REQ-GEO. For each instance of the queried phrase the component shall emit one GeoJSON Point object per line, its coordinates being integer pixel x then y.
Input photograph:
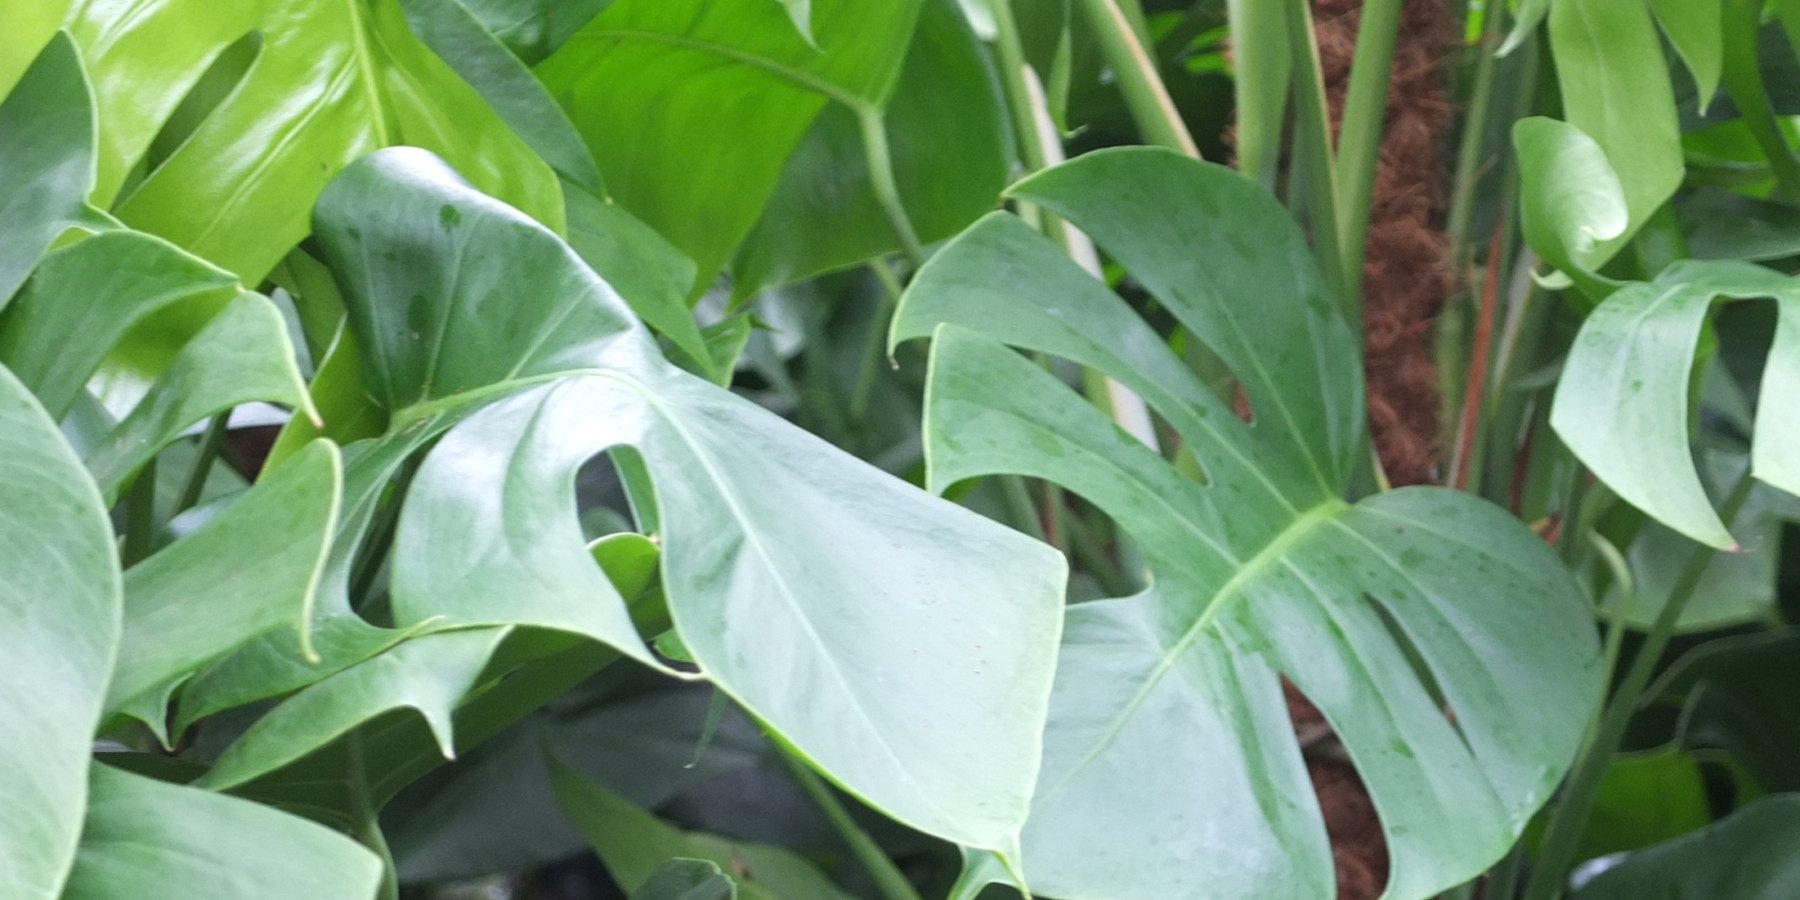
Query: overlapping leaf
{"type": "Point", "coordinates": [326, 82]}
{"type": "Point", "coordinates": [1170, 767]}
{"type": "Point", "coordinates": [902, 643]}
{"type": "Point", "coordinates": [1622, 403]}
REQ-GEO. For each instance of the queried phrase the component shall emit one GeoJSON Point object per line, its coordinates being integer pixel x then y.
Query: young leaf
{"type": "Point", "coordinates": [59, 629]}
{"type": "Point", "coordinates": [808, 585]}
{"type": "Point", "coordinates": [1570, 201]}
{"type": "Point", "coordinates": [1170, 767]}
{"type": "Point", "coordinates": [1622, 402]}
{"type": "Point", "coordinates": [147, 838]}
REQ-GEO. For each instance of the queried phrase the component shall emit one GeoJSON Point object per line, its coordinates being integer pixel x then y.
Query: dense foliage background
{"type": "Point", "coordinates": [1103, 449]}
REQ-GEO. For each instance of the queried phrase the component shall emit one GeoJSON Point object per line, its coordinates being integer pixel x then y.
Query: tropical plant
{"type": "Point", "coordinates": [452, 445]}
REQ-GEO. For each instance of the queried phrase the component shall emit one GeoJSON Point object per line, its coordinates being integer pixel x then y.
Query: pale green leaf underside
{"type": "Point", "coordinates": [59, 627]}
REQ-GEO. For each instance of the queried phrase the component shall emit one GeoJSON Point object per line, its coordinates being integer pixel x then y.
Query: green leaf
{"type": "Point", "coordinates": [807, 584]}
{"type": "Point", "coordinates": [1721, 224]}
{"type": "Point", "coordinates": [458, 38]}
{"type": "Point", "coordinates": [647, 271]}
{"type": "Point", "coordinates": [59, 629]}
{"type": "Point", "coordinates": [698, 167]}
{"type": "Point", "coordinates": [1615, 88]}
{"type": "Point", "coordinates": [1694, 28]}
{"type": "Point", "coordinates": [428, 674]}
{"type": "Point", "coordinates": [333, 80]}
{"type": "Point", "coordinates": [1570, 201]}
{"type": "Point", "coordinates": [950, 151]}
{"type": "Point", "coordinates": [147, 838]}
{"type": "Point", "coordinates": [251, 569]}
{"type": "Point", "coordinates": [533, 29]}
{"type": "Point", "coordinates": [687, 879]}
{"type": "Point", "coordinates": [47, 149]}
{"type": "Point", "coordinates": [1645, 798]}
{"type": "Point", "coordinates": [633, 844]}
{"type": "Point", "coordinates": [1622, 403]}
{"type": "Point", "coordinates": [1747, 855]}
{"type": "Point", "coordinates": [83, 299]}
{"type": "Point", "coordinates": [241, 355]}
{"type": "Point", "coordinates": [1736, 693]}
{"type": "Point", "coordinates": [1168, 708]}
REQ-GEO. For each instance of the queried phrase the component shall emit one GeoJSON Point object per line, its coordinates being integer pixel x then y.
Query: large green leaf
{"type": "Point", "coordinates": [1747, 855]}
{"type": "Point", "coordinates": [59, 629]}
{"type": "Point", "coordinates": [902, 643]}
{"type": "Point", "coordinates": [329, 82]}
{"type": "Point", "coordinates": [1615, 88]}
{"type": "Point", "coordinates": [1622, 403]}
{"type": "Point", "coordinates": [633, 844]}
{"type": "Point", "coordinates": [47, 152]}
{"type": "Point", "coordinates": [146, 838]}
{"type": "Point", "coordinates": [1170, 765]}
{"type": "Point", "coordinates": [692, 107]}
{"type": "Point", "coordinates": [949, 147]}
{"type": "Point", "coordinates": [251, 569]}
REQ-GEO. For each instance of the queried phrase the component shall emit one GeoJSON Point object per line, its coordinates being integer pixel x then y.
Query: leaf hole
{"type": "Point", "coordinates": [209, 91]}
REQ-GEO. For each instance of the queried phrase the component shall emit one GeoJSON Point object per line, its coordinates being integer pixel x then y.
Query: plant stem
{"type": "Point", "coordinates": [1018, 503]}
{"type": "Point", "coordinates": [1742, 78]}
{"type": "Point", "coordinates": [195, 483]}
{"type": "Point", "coordinates": [1011, 53]}
{"type": "Point", "coordinates": [1312, 153]}
{"type": "Point", "coordinates": [140, 516]}
{"type": "Point", "coordinates": [1359, 137]}
{"type": "Point", "coordinates": [368, 822]}
{"type": "Point", "coordinates": [1475, 131]}
{"type": "Point", "coordinates": [1259, 45]}
{"type": "Point", "coordinates": [1557, 851]}
{"type": "Point", "coordinates": [881, 178]}
{"type": "Point", "coordinates": [876, 340]}
{"type": "Point", "coordinates": [888, 879]}
{"type": "Point", "coordinates": [1145, 95]}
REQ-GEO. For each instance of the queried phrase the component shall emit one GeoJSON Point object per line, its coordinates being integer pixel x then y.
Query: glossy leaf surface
{"type": "Point", "coordinates": [1570, 199]}
{"type": "Point", "coordinates": [806, 584]}
{"type": "Point", "coordinates": [692, 108]}
{"type": "Point", "coordinates": [328, 83]}
{"type": "Point", "coordinates": [1170, 765]}
{"type": "Point", "coordinates": [59, 629]}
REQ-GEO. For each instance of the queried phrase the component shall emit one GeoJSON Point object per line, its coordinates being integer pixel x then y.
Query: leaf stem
{"type": "Point", "coordinates": [1146, 97]}
{"type": "Point", "coordinates": [876, 339]}
{"type": "Point", "coordinates": [1557, 852]}
{"type": "Point", "coordinates": [881, 179]}
{"type": "Point", "coordinates": [1259, 39]}
{"type": "Point", "coordinates": [140, 516]}
{"type": "Point", "coordinates": [1742, 78]}
{"type": "Point", "coordinates": [888, 878]}
{"type": "Point", "coordinates": [195, 483]}
{"type": "Point", "coordinates": [1312, 152]}
{"type": "Point", "coordinates": [1475, 131]}
{"type": "Point", "coordinates": [1359, 137]}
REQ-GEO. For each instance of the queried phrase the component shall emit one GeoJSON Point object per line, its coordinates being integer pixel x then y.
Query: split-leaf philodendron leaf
{"type": "Point", "coordinates": [902, 644]}
{"type": "Point", "coordinates": [1449, 649]}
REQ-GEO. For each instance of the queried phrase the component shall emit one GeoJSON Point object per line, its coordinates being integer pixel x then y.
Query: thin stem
{"type": "Point", "coordinates": [140, 516]}
{"type": "Point", "coordinates": [1018, 503]}
{"type": "Point", "coordinates": [876, 339]}
{"type": "Point", "coordinates": [1312, 151]}
{"type": "Point", "coordinates": [1742, 78]}
{"type": "Point", "coordinates": [195, 483]}
{"type": "Point", "coordinates": [1011, 53]}
{"type": "Point", "coordinates": [881, 178]}
{"type": "Point", "coordinates": [888, 879]}
{"type": "Point", "coordinates": [1359, 139]}
{"type": "Point", "coordinates": [1557, 852]}
{"type": "Point", "coordinates": [368, 822]}
{"type": "Point", "coordinates": [1475, 131]}
{"type": "Point", "coordinates": [1146, 97]}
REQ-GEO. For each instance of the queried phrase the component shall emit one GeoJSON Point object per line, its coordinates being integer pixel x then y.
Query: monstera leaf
{"type": "Point", "coordinates": [901, 643]}
{"type": "Point", "coordinates": [1448, 648]}
{"type": "Point", "coordinates": [1622, 403]}
{"type": "Point", "coordinates": [317, 84]}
